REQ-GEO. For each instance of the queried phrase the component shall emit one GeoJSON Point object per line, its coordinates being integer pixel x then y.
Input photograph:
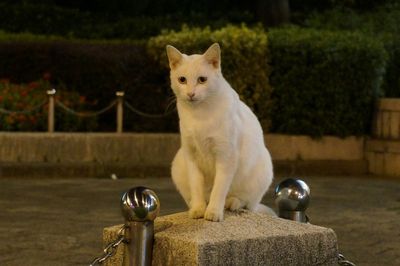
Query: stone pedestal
{"type": "Point", "coordinates": [243, 238]}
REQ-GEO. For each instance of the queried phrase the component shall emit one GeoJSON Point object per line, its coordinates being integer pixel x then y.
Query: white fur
{"type": "Point", "coordinates": [222, 161]}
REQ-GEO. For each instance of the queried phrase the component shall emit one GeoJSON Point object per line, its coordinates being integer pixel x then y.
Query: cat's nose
{"type": "Point", "coordinates": [190, 94]}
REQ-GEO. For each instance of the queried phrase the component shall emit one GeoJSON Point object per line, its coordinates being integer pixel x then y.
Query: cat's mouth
{"type": "Point", "coordinates": [192, 100]}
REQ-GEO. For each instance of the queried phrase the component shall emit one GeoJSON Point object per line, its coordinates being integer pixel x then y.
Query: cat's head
{"type": "Point", "coordinates": [194, 78]}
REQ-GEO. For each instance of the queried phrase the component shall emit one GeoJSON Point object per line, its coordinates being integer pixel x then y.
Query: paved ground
{"type": "Point", "coordinates": [60, 221]}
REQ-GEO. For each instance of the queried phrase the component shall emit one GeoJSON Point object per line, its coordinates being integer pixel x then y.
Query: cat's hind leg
{"type": "Point", "coordinates": [234, 203]}
{"type": "Point", "coordinates": [179, 176]}
{"type": "Point", "coordinates": [261, 208]}
{"type": "Point", "coordinates": [188, 181]}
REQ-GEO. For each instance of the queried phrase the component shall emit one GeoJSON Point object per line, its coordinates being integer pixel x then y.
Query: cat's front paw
{"type": "Point", "coordinates": [213, 214]}
{"type": "Point", "coordinates": [197, 212]}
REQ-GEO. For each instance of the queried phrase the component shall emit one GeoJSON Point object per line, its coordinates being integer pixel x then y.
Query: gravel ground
{"type": "Point", "coordinates": [60, 221]}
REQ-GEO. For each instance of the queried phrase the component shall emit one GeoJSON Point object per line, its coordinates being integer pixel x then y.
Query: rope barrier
{"type": "Point", "coordinates": [86, 114]}
{"type": "Point", "coordinates": [24, 112]}
{"type": "Point", "coordinates": [136, 111]}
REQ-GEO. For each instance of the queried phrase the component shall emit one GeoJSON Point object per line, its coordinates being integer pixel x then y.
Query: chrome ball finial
{"type": "Point", "coordinates": [140, 204]}
{"type": "Point", "coordinates": [292, 199]}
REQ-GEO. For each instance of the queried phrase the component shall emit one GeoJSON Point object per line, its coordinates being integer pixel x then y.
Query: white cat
{"type": "Point", "coordinates": [222, 160]}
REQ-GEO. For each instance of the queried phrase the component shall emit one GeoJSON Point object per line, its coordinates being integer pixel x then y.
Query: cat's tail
{"type": "Point", "coordinates": [261, 208]}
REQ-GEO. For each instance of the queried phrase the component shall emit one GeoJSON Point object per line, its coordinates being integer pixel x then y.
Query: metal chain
{"type": "Point", "coordinates": [88, 114]}
{"type": "Point", "coordinates": [85, 114]}
{"type": "Point", "coordinates": [343, 262]}
{"type": "Point", "coordinates": [111, 248]}
{"type": "Point", "coordinates": [136, 111]}
{"type": "Point", "coordinates": [24, 112]}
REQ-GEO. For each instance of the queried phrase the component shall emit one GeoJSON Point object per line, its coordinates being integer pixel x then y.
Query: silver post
{"type": "Point", "coordinates": [120, 111]}
{"type": "Point", "coordinates": [140, 206]}
{"type": "Point", "coordinates": [292, 199]}
{"type": "Point", "coordinates": [50, 119]}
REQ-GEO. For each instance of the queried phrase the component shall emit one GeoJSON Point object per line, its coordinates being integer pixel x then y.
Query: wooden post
{"type": "Point", "coordinates": [120, 111]}
{"type": "Point", "coordinates": [50, 119]}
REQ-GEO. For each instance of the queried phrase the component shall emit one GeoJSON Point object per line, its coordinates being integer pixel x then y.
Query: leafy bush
{"type": "Point", "coordinates": [325, 83]}
{"type": "Point", "coordinates": [309, 5]}
{"type": "Point", "coordinates": [391, 85]}
{"type": "Point", "coordinates": [380, 20]}
{"type": "Point", "coordinates": [29, 106]}
{"type": "Point", "coordinates": [382, 23]}
{"type": "Point", "coordinates": [16, 97]}
{"type": "Point", "coordinates": [137, 21]}
{"type": "Point", "coordinates": [244, 59]}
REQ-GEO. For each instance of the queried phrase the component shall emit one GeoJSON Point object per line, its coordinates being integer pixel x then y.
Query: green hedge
{"type": "Point", "coordinates": [244, 59]}
{"type": "Point", "coordinates": [325, 83]}
{"type": "Point", "coordinates": [52, 20]}
{"type": "Point", "coordinates": [307, 5]}
{"type": "Point", "coordinates": [297, 81]}
{"type": "Point", "coordinates": [124, 20]}
{"type": "Point", "coordinates": [391, 85]}
{"type": "Point", "coordinates": [382, 23]}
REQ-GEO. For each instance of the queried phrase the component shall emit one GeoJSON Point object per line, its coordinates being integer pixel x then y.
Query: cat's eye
{"type": "Point", "coordinates": [202, 80]}
{"type": "Point", "coordinates": [182, 80]}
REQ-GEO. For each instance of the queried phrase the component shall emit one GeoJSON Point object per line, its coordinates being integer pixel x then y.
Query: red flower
{"type": "Point", "coordinates": [82, 99]}
{"type": "Point", "coordinates": [21, 118]}
{"type": "Point", "coordinates": [33, 85]}
{"type": "Point", "coordinates": [47, 76]}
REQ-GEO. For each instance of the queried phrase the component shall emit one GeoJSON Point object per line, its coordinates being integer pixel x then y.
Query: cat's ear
{"type": "Point", "coordinates": [174, 56]}
{"type": "Point", "coordinates": [213, 55]}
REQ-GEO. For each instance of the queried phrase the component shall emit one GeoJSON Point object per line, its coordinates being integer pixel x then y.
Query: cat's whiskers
{"type": "Point", "coordinates": [171, 103]}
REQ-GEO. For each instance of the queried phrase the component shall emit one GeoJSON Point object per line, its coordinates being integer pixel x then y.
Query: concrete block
{"type": "Point", "coordinates": [383, 157]}
{"type": "Point", "coordinates": [243, 238]}
{"type": "Point", "coordinates": [321, 167]}
{"type": "Point", "coordinates": [391, 164]}
{"type": "Point", "coordinates": [371, 161]}
{"type": "Point", "coordinates": [375, 162]}
{"type": "Point", "coordinates": [377, 145]}
{"type": "Point", "coordinates": [289, 147]}
{"type": "Point", "coordinates": [99, 154]}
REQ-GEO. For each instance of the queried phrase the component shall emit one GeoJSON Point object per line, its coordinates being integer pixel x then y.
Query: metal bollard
{"type": "Point", "coordinates": [292, 199]}
{"type": "Point", "coordinates": [140, 206]}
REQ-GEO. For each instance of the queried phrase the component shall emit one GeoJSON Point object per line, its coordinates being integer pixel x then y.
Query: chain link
{"type": "Point", "coordinates": [138, 112]}
{"type": "Point", "coordinates": [24, 112]}
{"type": "Point", "coordinates": [343, 262]}
{"type": "Point", "coordinates": [86, 114]}
{"type": "Point", "coordinates": [111, 248]}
